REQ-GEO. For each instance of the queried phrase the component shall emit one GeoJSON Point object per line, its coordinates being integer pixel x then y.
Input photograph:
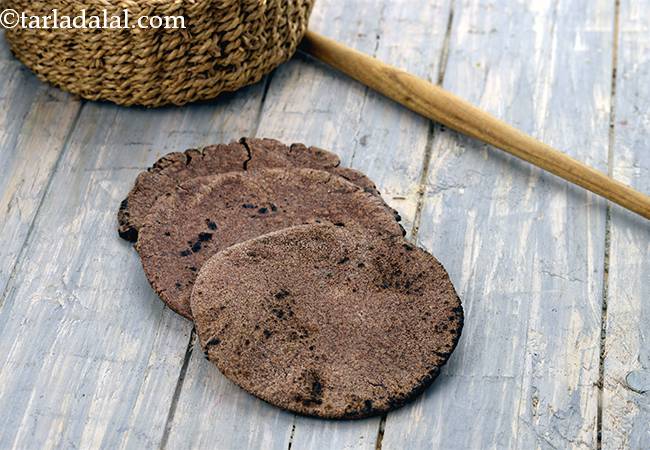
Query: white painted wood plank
{"type": "Point", "coordinates": [308, 102]}
{"type": "Point", "coordinates": [34, 123]}
{"type": "Point", "coordinates": [524, 249]}
{"type": "Point", "coordinates": [89, 357]}
{"type": "Point", "coordinates": [626, 395]}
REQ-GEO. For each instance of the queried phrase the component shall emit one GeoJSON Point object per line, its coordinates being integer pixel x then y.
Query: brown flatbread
{"type": "Point", "coordinates": [207, 214]}
{"type": "Point", "coordinates": [175, 168]}
{"type": "Point", "coordinates": [335, 322]}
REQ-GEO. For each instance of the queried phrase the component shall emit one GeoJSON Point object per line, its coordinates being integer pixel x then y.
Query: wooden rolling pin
{"type": "Point", "coordinates": [441, 106]}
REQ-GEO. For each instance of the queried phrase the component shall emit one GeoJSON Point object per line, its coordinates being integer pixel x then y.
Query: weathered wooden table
{"type": "Point", "coordinates": [556, 283]}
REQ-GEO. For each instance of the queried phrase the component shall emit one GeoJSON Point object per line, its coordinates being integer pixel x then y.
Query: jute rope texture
{"type": "Point", "coordinates": [227, 44]}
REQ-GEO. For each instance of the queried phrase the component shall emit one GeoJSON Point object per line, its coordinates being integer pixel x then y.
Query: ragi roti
{"type": "Point", "coordinates": [334, 322]}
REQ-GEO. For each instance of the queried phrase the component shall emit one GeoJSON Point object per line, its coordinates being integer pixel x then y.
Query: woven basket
{"type": "Point", "coordinates": [226, 44]}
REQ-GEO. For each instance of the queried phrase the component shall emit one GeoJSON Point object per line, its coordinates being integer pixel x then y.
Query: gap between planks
{"type": "Point", "coordinates": [178, 389]}
{"type": "Point", "coordinates": [608, 229]}
{"type": "Point", "coordinates": [426, 163]}
{"type": "Point", "coordinates": [366, 90]}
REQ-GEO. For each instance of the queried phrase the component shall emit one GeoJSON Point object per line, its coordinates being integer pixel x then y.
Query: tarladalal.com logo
{"type": "Point", "coordinates": [10, 18]}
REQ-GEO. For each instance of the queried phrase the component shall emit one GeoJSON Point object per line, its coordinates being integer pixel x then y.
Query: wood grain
{"type": "Point", "coordinates": [89, 357]}
{"type": "Point", "coordinates": [626, 389]}
{"type": "Point", "coordinates": [524, 250]}
{"type": "Point", "coordinates": [34, 124]}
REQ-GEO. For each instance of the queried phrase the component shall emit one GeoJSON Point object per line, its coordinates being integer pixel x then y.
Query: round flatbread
{"type": "Point", "coordinates": [248, 154]}
{"type": "Point", "coordinates": [207, 214]}
{"type": "Point", "coordinates": [335, 322]}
